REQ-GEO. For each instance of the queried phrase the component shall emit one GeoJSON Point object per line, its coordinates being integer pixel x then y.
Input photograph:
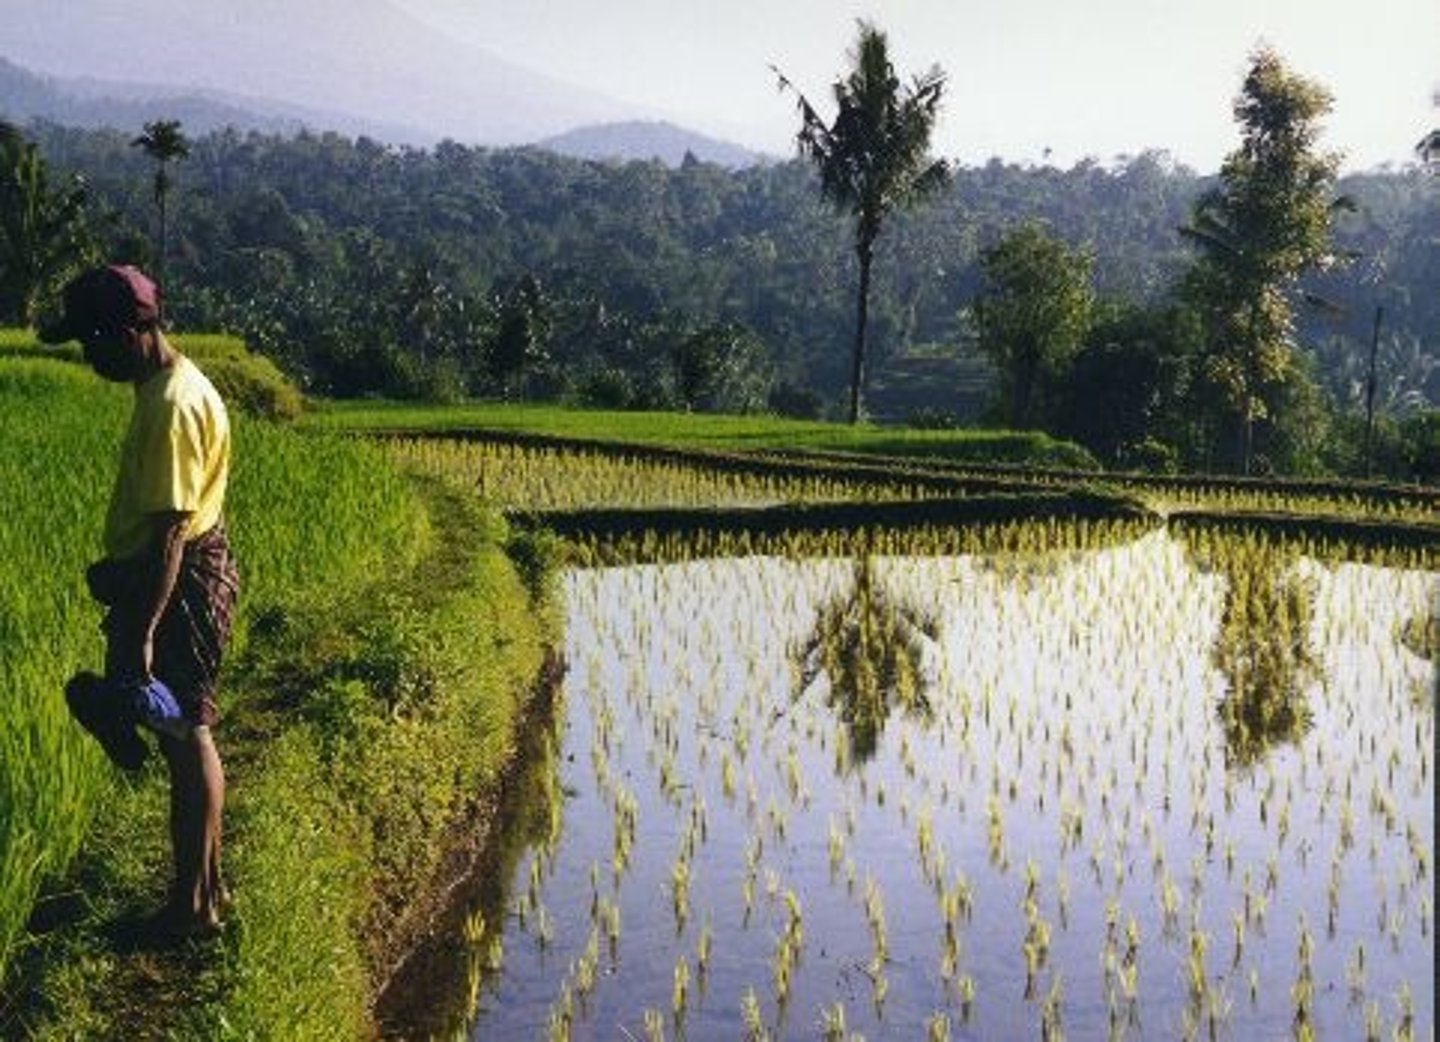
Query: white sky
{"type": "Point", "coordinates": [1080, 77]}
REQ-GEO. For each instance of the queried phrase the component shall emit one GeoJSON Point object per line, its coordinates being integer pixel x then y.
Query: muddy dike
{"type": "Point", "coordinates": [1339, 539]}
{"type": "Point", "coordinates": [435, 988]}
{"type": "Point", "coordinates": [814, 517]}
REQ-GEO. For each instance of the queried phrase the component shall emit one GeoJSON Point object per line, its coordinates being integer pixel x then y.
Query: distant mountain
{"type": "Point", "coordinates": [25, 95]}
{"type": "Point", "coordinates": [648, 140]}
{"type": "Point", "coordinates": [364, 57]}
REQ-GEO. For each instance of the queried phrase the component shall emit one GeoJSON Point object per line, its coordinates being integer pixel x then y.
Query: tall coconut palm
{"type": "Point", "coordinates": [1429, 150]}
{"type": "Point", "coordinates": [873, 157]}
{"type": "Point", "coordinates": [1429, 147]}
{"type": "Point", "coordinates": [164, 143]}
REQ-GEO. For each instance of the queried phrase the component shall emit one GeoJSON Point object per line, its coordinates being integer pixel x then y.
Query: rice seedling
{"type": "Point", "coordinates": [937, 1028]}
{"type": "Point", "coordinates": [704, 947]}
{"type": "Point", "coordinates": [680, 891]}
{"type": "Point", "coordinates": [562, 1016]}
{"type": "Point", "coordinates": [609, 914]}
{"type": "Point", "coordinates": [965, 989]}
{"type": "Point", "coordinates": [544, 927]}
{"type": "Point", "coordinates": [751, 1020]}
{"type": "Point", "coordinates": [680, 990]}
{"type": "Point", "coordinates": [1052, 1012]}
{"type": "Point", "coordinates": [587, 966]}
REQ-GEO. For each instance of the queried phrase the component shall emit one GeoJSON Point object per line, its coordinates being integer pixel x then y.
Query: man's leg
{"type": "Point", "coordinates": [189, 644]}
{"type": "Point", "coordinates": [197, 799]}
{"type": "Point", "coordinates": [212, 772]}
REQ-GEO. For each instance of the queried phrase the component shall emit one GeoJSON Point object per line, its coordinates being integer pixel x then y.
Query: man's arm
{"type": "Point", "coordinates": [157, 572]}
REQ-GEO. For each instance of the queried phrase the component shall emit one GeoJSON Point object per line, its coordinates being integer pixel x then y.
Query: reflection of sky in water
{"type": "Point", "coordinates": [1077, 704]}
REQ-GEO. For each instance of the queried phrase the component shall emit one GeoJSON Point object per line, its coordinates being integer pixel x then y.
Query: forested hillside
{"type": "Point", "coordinates": [369, 269]}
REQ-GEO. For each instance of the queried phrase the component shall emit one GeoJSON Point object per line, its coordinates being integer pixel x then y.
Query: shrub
{"type": "Point", "coordinates": [606, 388]}
{"type": "Point", "coordinates": [537, 555]}
{"type": "Point", "coordinates": [799, 403]}
{"type": "Point", "coordinates": [933, 419]}
{"type": "Point", "coordinates": [1154, 456]}
{"type": "Point", "coordinates": [1420, 441]}
{"type": "Point", "coordinates": [252, 385]}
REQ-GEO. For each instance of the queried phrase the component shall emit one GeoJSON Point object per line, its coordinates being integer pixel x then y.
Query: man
{"type": "Point", "coordinates": [168, 577]}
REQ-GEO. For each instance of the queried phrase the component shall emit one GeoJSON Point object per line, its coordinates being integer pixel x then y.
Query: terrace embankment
{"type": "Point", "coordinates": [858, 469]}
{"type": "Point", "coordinates": [407, 705]}
{"type": "Point", "coordinates": [430, 991]}
{"type": "Point", "coordinates": [391, 634]}
{"type": "Point", "coordinates": [1352, 538]}
{"type": "Point", "coordinates": [807, 529]}
{"type": "Point", "coordinates": [600, 479]}
{"type": "Point", "coordinates": [1341, 495]}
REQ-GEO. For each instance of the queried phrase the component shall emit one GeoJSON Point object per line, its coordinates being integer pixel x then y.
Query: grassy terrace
{"type": "Point", "coordinates": [389, 638]}
{"type": "Point", "coordinates": [544, 457]}
{"type": "Point", "coordinates": [749, 433]}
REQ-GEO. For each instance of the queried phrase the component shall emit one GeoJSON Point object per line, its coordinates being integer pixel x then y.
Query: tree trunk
{"type": "Point", "coordinates": [1247, 443]}
{"type": "Point", "coordinates": [1024, 389]}
{"type": "Point", "coordinates": [162, 187]}
{"type": "Point", "coordinates": [1252, 388]}
{"type": "Point", "coordinates": [160, 299]}
{"type": "Point", "coordinates": [865, 251]}
{"type": "Point", "coordinates": [1370, 392]}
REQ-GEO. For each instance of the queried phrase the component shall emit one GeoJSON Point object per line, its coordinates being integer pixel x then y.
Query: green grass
{"type": "Point", "coordinates": [702, 430]}
{"type": "Point", "coordinates": [301, 512]}
{"type": "Point", "coordinates": [54, 459]}
{"type": "Point", "coordinates": [315, 520]}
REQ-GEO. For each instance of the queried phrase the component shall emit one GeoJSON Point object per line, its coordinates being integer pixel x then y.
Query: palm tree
{"type": "Point", "coordinates": [162, 142]}
{"type": "Point", "coordinates": [873, 157]}
{"type": "Point", "coordinates": [43, 235]}
{"type": "Point", "coordinates": [1428, 148]}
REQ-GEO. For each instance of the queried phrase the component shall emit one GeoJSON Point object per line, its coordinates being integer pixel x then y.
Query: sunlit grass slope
{"type": "Point", "coordinates": [306, 513]}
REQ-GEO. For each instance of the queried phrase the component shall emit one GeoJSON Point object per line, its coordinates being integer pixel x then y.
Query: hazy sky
{"type": "Point", "coordinates": [1079, 77]}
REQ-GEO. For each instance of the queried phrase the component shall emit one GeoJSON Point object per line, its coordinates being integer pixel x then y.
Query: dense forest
{"type": "Point", "coordinates": [366, 269]}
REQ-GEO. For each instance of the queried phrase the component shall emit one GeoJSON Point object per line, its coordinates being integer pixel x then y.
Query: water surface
{"type": "Point", "coordinates": [986, 794]}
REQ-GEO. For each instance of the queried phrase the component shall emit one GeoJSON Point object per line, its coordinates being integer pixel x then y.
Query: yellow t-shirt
{"type": "Point", "coordinates": [175, 457]}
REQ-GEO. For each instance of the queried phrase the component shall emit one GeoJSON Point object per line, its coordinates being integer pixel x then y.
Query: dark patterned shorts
{"type": "Point", "coordinates": [191, 637]}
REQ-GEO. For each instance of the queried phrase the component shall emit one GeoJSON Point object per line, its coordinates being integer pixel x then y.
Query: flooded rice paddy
{"type": "Point", "coordinates": [1159, 789]}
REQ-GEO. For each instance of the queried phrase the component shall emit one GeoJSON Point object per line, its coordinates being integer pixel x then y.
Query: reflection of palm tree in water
{"type": "Point", "coordinates": [870, 649]}
{"type": "Point", "coordinates": [1263, 650]}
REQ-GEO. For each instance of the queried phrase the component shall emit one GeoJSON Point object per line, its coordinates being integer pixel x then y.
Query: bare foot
{"type": "Point", "coordinates": [167, 924]}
